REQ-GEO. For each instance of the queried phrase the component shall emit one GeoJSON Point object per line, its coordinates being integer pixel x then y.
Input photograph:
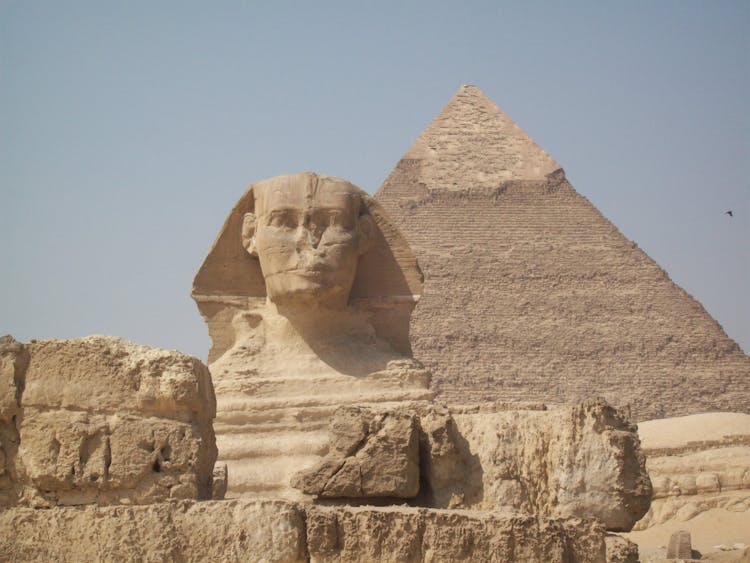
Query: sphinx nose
{"type": "Point", "coordinates": [307, 238]}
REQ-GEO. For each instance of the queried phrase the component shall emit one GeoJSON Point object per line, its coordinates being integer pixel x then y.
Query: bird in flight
{"type": "Point", "coordinates": [729, 212]}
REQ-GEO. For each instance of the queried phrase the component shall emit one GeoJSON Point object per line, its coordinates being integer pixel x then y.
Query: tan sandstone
{"type": "Point", "coordinates": [620, 549]}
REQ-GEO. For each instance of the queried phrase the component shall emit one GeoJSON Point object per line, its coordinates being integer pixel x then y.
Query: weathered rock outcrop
{"type": "Point", "coordinates": [620, 549]}
{"type": "Point", "coordinates": [165, 531]}
{"type": "Point", "coordinates": [102, 420]}
{"type": "Point", "coordinates": [372, 453]}
{"type": "Point", "coordinates": [576, 461]}
{"type": "Point", "coordinates": [411, 534]}
{"type": "Point", "coordinates": [243, 530]}
{"type": "Point", "coordinates": [581, 461]}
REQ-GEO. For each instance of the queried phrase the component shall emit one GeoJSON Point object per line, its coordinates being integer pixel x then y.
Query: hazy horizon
{"type": "Point", "coordinates": [129, 132]}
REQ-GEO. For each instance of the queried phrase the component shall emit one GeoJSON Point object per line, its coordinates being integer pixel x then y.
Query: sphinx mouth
{"type": "Point", "coordinates": [310, 271]}
{"type": "Point", "coordinates": [312, 265]}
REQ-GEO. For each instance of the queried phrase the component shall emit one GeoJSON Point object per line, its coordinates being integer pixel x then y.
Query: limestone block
{"type": "Point", "coordinates": [580, 461]}
{"type": "Point", "coordinates": [185, 531]}
{"type": "Point", "coordinates": [443, 463]}
{"type": "Point", "coordinates": [78, 457]}
{"type": "Point", "coordinates": [106, 421]}
{"type": "Point", "coordinates": [372, 453]}
{"type": "Point", "coordinates": [242, 530]}
{"type": "Point", "coordinates": [109, 374]}
{"type": "Point", "coordinates": [410, 534]}
{"type": "Point", "coordinates": [62, 450]}
{"type": "Point", "coordinates": [14, 359]}
{"type": "Point", "coordinates": [603, 474]}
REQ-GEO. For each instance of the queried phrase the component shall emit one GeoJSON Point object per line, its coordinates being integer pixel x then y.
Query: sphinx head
{"type": "Point", "coordinates": [308, 232]}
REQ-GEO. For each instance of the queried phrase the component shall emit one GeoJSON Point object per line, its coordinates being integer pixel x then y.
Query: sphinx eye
{"type": "Point", "coordinates": [281, 219]}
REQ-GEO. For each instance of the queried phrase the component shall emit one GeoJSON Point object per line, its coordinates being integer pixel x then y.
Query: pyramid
{"type": "Point", "coordinates": [531, 294]}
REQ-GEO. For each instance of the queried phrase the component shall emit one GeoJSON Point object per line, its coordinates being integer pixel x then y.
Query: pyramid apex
{"type": "Point", "coordinates": [472, 144]}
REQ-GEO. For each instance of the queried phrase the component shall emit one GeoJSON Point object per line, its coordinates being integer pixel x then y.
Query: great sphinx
{"type": "Point", "coordinates": [307, 293]}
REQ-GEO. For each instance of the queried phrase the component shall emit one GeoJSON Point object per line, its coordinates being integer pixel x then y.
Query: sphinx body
{"type": "Point", "coordinates": [327, 327]}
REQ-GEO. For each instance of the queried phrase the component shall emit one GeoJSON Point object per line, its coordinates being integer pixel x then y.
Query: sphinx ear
{"type": "Point", "coordinates": [366, 231]}
{"type": "Point", "coordinates": [248, 233]}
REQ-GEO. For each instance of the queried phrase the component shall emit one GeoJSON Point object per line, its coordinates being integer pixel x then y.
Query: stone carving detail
{"type": "Point", "coordinates": [312, 239]}
{"type": "Point", "coordinates": [307, 294]}
{"type": "Point", "coordinates": [308, 234]}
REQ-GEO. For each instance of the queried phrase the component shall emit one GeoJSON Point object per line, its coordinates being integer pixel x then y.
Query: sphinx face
{"type": "Point", "coordinates": [307, 235]}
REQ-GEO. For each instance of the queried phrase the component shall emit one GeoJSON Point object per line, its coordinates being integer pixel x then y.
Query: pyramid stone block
{"type": "Point", "coordinates": [531, 294]}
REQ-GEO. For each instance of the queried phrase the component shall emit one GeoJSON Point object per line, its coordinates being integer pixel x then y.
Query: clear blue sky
{"type": "Point", "coordinates": [129, 129]}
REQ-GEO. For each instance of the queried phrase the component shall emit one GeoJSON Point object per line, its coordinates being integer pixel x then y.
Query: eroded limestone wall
{"type": "Point", "coordinates": [241, 530]}
{"type": "Point", "coordinates": [100, 420]}
{"type": "Point", "coordinates": [582, 461]}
